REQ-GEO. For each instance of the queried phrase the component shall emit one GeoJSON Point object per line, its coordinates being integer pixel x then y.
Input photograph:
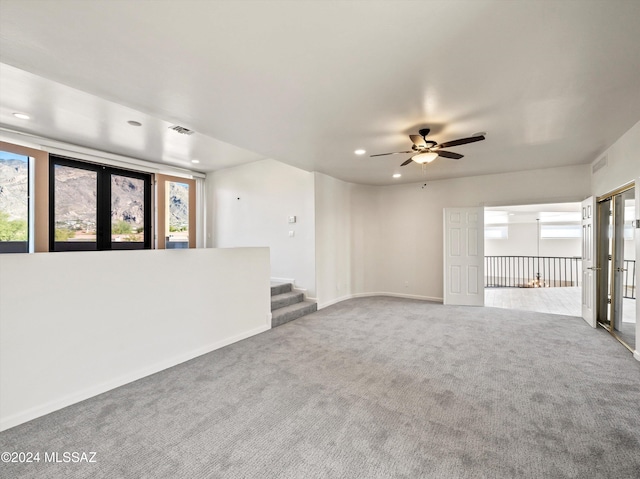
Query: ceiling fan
{"type": "Point", "coordinates": [427, 150]}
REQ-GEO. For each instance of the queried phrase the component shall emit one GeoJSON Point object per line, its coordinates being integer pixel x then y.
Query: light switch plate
{"type": "Point", "coordinates": [292, 219]}
{"type": "Point", "coordinates": [292, 234]}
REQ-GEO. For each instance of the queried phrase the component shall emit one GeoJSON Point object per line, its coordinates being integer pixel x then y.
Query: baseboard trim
{"type": "Point", "coordinates": [367, 295]}
{"type": "Point", "coordinates": [334, 301]}
{"type": "Point", "coordinates": [55, 405]}
{"type": "Point", "coordinates": [636, 354]}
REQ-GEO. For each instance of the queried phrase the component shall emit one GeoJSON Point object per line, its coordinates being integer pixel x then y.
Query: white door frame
{"type": "Point", "coordinates": [589, 264]}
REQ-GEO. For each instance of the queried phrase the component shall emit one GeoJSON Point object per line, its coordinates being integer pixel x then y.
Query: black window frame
{"type": "Point", "coordinates": [103, 201]}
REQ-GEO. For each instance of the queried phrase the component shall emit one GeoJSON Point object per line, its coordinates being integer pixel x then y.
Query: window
{"type": "Point", "coordinates": [14, 202]}
{"type": "Point", "coordinates": [496, 232]}
{"type": "Point", "coordinates": [560, 231]}
{"type": "Point", "coordinates": [97, 207]}
{"type": "Point", "coordinates": [177, 233]}
{"type": "Point", "coordinates": [176, 212]}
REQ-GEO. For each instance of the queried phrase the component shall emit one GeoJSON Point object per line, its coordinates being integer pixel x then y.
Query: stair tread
{"type": "Point", "coordinates": [292, 307]}
{"type": "Point", "coordinates": [291, 294]}
{"type": "Point", "coordinates": [282, 300]}
{"type": "Point", "coordinates": [280, 288]}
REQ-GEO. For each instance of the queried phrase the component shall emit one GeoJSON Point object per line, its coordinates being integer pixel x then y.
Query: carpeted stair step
{"type": "Point", "coordinates": [291, 312]}
{"type": "Point", "coordinates": [285, 299]}
{"type": "Point", "coordinates": [280, 288]}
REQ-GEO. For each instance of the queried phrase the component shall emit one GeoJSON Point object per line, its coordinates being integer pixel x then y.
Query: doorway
{"type": "Point", "coordinates": [616, 310]}
{"type": "Point", "coordinates": [533, 257]}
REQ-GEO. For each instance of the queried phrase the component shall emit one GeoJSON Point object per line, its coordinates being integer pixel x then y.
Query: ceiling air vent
{"type": "Point", "coordinates": [601, 163]}
{"type": "Point", "coordinates": [182, 130]}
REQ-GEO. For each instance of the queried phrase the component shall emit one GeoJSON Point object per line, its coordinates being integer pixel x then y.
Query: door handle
{"type": "Point", "coordinates": [593, 268]}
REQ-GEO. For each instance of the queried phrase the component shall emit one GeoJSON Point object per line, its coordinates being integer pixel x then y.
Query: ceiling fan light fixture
{"type": "Point", "coordinates": [426, 157]}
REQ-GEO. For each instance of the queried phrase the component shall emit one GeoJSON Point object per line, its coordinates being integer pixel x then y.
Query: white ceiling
{"type": "Point", "coordinates": [308, 82]}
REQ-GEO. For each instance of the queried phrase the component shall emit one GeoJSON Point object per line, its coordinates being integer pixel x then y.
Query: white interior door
{"type": "Point", "coordinates": [589, 265]}
{"type": "Point", "coordinates": [464, 256]}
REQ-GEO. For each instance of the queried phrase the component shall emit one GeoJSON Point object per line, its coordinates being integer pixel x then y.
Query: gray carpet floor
{"type": "Point", "coordinates": [367, 388]}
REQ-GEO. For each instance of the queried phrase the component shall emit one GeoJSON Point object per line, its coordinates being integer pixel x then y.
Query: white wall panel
{"type": "Point", "coordinates": [454, 241]}
{"type": "Point", "coordinates": [472, 242]}
{"type": "Point", "coordinates": [472, 277]}
{"type": "Point", "coordinates": [74, 325]}
{"type": "Point", "coordinates": [456, 279]}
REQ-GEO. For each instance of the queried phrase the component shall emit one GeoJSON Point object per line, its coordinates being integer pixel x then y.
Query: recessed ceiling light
{"type": "Point", "coordinates": [397, 175]}
{"type": "Point", "coordinates": [360, 152]}
{"type": "Point", "coordinates": [22, 116]}
{"type": "Point", "coordinates": [134, 123]}
{"type": "Point", "coordinates": [195, 161]}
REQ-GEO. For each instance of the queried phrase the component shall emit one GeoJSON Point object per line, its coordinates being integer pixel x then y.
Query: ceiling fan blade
{"type": "Point", "coordinates": [449, 154]}
{"type": "Point", "coordinates": [394, 153]}
{"type": "Point", "coordinates": [407, 162]}
{"type": "Point", "coordinates": [418, 141]}
{"type": "Point", "coordinates": [461, 141]}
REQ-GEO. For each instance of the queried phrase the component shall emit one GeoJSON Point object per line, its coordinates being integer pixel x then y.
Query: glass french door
{"type": "Point", "coordinates": [617, 263]}
{"type": "Point", "coordinates": [97, 207]}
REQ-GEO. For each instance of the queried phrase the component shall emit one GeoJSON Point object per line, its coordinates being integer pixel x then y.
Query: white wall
{"type": "Point", "coordinates": [347, 231]}
{"type": "Point", "coordinates": [623, 163]}
{"type": "Point", "coordinates": [249, 205]}
{"type": "Point", "coordinates": [333, 237]}
{"type": "Point", "coordinates": [362, 239]}
{"type": "Point", "coordinates": [74, 325]}
{"type": "Point", "coordinates": [411, 229]}
{"type": "Point", "coordinates": [395, 237]}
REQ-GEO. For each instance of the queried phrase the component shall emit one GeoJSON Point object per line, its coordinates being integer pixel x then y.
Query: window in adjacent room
{"type": "Point", "coordinates": [560, 231]}
{"type": "Point", "coordinates": [496, 232]}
